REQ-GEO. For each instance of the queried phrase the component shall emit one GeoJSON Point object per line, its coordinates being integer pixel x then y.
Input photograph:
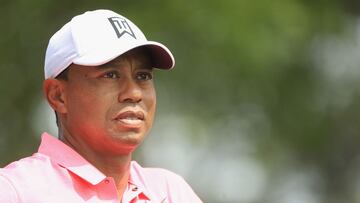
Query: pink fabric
{"type": "Point", "coordinates": [58, 174]}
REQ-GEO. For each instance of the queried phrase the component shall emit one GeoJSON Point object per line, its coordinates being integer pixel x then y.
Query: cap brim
{"type": "Point", "coordinates": [161, 56]}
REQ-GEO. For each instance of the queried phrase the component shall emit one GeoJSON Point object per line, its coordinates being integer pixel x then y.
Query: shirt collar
{"type": "Point", "coordinates": [68, 158]}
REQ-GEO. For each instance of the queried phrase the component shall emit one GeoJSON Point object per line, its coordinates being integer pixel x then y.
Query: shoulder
{"type": "Point", "coordinates": [160, 180]}
{"type": "Point", "coordinates": [21, 168]}
{"type": "Point", "coordinates": [22, 174]}
{"type": "Point", "coordinates": [161, 175]}
{"type": "Point", "coordinates": [9, 179]}
{"type": "Point", "coordinates": [171, 178]}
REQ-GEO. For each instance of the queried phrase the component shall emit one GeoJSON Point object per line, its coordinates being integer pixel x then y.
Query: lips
{"type": "Point", "coordinates": [130, 118]}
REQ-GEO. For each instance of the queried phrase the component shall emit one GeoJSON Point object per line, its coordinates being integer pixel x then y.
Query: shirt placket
{"type": "Point", "coordinates": [132, 195]}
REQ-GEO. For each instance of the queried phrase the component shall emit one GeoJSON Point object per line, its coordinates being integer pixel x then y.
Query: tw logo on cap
{"type": "Point", "coordinates": [121, 27]}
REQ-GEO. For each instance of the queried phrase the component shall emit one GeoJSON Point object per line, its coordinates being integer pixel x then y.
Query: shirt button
{"type": "Point", "coordinates": [107, 181]}
{"type": "Point", "coordinates": [134, 189]}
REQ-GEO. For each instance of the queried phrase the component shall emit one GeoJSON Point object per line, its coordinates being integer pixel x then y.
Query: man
{"type": "Point", "coordinates": [98, 79]}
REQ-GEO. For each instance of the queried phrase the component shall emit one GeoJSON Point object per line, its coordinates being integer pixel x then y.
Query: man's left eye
{"type": "Point", "coordinates": [143, 76]}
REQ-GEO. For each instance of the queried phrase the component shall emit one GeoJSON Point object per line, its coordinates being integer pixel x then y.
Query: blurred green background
{"type": "Point", "coordinates": [262, 107]}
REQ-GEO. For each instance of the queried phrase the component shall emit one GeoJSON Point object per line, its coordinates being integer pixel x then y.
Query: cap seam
{"type": "Point", "coordinates": [79, 52]}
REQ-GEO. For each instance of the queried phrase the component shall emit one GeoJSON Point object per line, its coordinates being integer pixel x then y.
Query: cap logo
{"type": "Point", "coordinates": [121, 27]}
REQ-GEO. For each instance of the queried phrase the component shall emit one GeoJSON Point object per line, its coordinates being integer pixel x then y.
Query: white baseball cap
{"type": "Point", "coordinates": [97, 37]}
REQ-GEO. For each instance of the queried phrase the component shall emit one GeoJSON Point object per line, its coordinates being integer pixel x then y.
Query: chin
{"type": "Point", "coordinates": [130, 138]}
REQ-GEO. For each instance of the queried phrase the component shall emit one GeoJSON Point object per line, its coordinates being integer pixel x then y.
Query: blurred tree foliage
{"type": "Point", "coordinates": [230, 55]}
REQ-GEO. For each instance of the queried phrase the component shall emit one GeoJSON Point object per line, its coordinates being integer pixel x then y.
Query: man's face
{"type": "Point", "coordinates": [110, 108]}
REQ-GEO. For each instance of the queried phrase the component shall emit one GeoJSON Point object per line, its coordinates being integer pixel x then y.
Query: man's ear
{"type": "Point", "coordinates": [54, 92]}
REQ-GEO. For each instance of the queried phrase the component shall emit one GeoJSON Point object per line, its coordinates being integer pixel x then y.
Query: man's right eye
{"type": "Point", "coordinates": [111, 75]}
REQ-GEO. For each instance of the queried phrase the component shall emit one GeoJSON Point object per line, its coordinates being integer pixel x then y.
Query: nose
{"type": "Point", "coordinates": [130, 92]}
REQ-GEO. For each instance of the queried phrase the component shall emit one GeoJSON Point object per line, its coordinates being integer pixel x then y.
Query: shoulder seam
{"type": "Point", "coordinates": [12, 186]}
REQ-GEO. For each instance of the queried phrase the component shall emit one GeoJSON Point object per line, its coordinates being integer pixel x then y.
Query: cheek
{"type": "Point", "coordinates": [150, 99]}
{"type": "Point", "coordinates": [150, 103]}
{"type": "Point", "coordinates": [87, 104]}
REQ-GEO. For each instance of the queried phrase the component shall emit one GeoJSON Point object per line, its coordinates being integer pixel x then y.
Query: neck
{"type": "Point", "coordinates": [115, 166]}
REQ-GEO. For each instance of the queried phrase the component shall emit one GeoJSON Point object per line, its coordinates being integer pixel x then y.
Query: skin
{"type": "Point", "coordinates": [106, 111]}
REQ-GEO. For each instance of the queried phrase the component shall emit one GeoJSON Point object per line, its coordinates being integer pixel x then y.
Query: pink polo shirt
{"type": "Point", "coordinates": [56, 173]}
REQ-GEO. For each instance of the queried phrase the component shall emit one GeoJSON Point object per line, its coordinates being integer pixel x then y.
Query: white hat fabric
{"type": "Point", "coordinates": [97, 37]}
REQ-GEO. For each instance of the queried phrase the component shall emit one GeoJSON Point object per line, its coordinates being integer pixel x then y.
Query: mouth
{"type": "Point", "coordinates": [130, 118]}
